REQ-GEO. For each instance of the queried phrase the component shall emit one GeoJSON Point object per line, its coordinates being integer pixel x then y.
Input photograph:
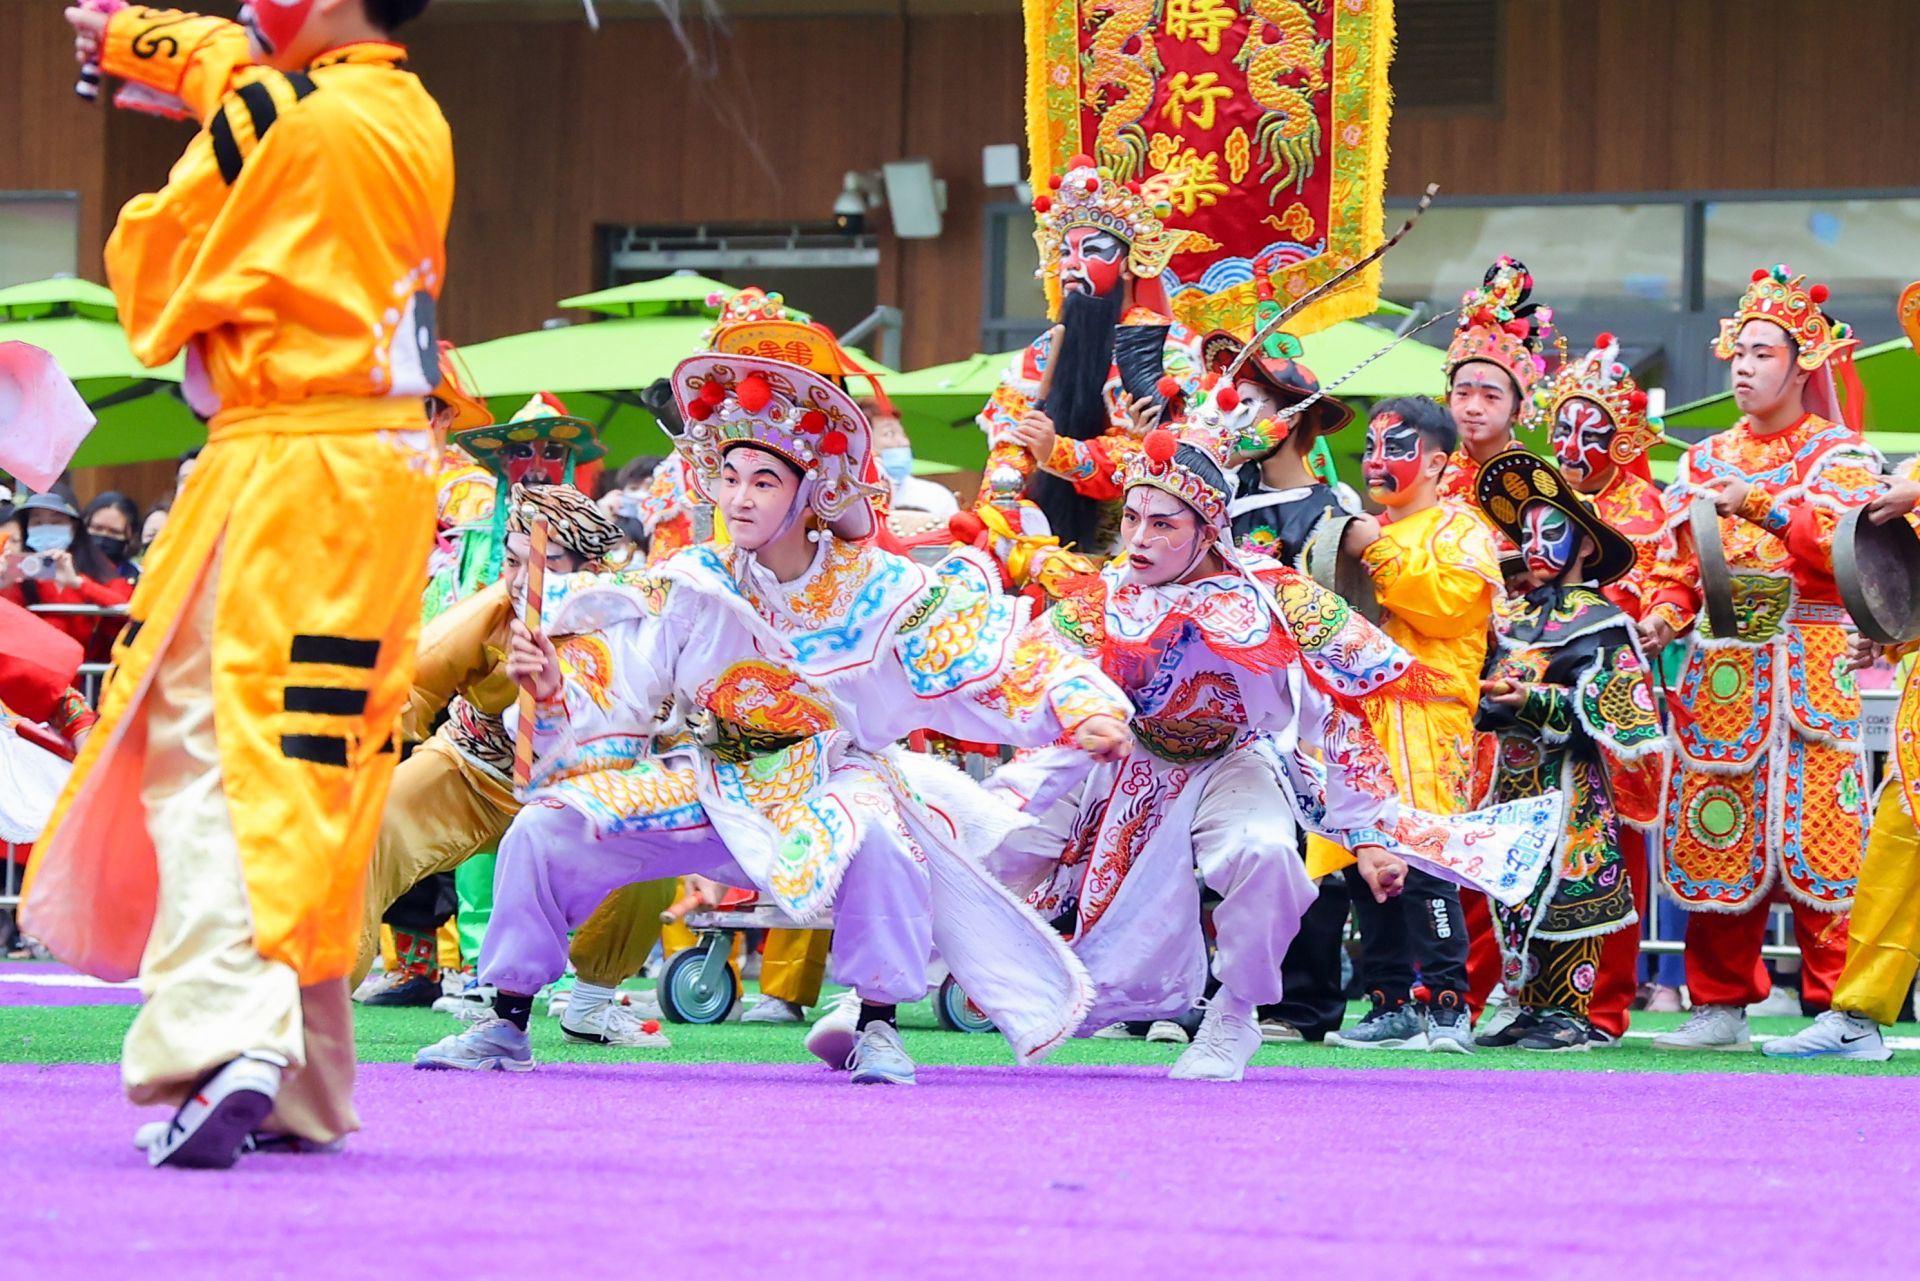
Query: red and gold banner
{"type": "Point", "coordinates": [1270, 114]}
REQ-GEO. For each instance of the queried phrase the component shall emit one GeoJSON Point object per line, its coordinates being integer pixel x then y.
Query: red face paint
{"type": "Point", "coordinates": [536, 462]}
{"type": "Point", "coordinates": [1582, 434]}
{"type": "Point", "coordinates": [1396, 455]}
{"type": "Point", "coordinates": [1091, 260]}
{"type": "Point", "coordinates": [275, 24]}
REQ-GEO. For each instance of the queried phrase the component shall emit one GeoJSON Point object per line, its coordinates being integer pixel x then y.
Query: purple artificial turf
{"type": "Point", "coordinates": [583, 1171]}
{"type": "Point", "coordinates": [71, 988]}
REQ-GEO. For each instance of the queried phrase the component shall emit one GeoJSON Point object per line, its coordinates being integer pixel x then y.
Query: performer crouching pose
{"type": "Point", "coordinates": [810, 653]}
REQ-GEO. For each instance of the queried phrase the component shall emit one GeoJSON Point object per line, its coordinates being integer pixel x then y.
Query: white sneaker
{"type": "Point", "coordinates": [833, 1036]}
{"type": "Point", "coordinates": [1221, 1050]}
{"type": "Point", "coordinates": [1781, 1003]}
{"type": "Point", "coordinates": [1836, 1034]}
{"type": "Point", "coordinates": [645, 1004]}
{"type": "Point", "coordinates": [879, 1058]}
{"type": "Point", "coordinates": [1167, 1032]}
{"type": "Point", "coordinates": [1712, 1027]}
{"type": "Point", "coordinates": [773, 1009]}
{"type": "Point", "coordinates": [1280, 1032]}
{"type": "Point", "coordinates": [212, 1128]}
{"type": "Point", "coordinates": [375, 980]}
{"type": "Point", "coordinates": [609, 1023]}
{"type": "Point", "coordinates": [1496, 1017]}
{"type": "Point", "coordinates": [1117, 1032]}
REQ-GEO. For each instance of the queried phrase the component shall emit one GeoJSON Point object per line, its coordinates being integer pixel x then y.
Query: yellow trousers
{"type": "Point", "coordinates": [438, 816]}
{"type": "Point", "coordinates": [795, 964]}
{"type": "Point", "coordinates": [1883, 946]}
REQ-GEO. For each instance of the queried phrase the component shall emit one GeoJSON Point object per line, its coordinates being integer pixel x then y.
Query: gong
{"type": "Point", "coordinates": [1346, 576]}
{"type": "Point", "coordinates": [1878, 570]}
{"type": "Point", "coordinates": [1716, 582]}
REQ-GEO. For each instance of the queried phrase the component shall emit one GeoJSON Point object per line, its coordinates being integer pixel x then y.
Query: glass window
{"type": "Point", "coordinates": [39, 235]}
{"type": "Point", "coordinates": [1854, 247]}
{"type": "Point", "coordinates": [1582, 256]}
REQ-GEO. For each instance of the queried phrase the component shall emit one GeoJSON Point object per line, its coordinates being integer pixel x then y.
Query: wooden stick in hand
{"type": "Point", "coordinates": [536, 595]}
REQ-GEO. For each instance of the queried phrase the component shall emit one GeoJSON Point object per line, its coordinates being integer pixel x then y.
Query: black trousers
{"type": "Point", "coordinates": [1424, 927]}
{"type": "Point", "coordinates": [1311, 995]}
{"type": "Point", "coordinates": [424, 908]}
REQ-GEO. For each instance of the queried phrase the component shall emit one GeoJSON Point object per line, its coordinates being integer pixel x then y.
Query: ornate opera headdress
{"type": "Point", "coordinates": [1187, 465]}
{"type": "Point", "coordinates": [1498, 325]}
{"type": "Point", "coordinates": [806, 419]}
{"type": "Point", "coordinates": [1090, 196]}
{"type": "Point", "coordinates": [1516, 479]}
{"type": "Point", "coordinates": [1778, 295]}
{"type": "Point", "coordinates": [1825, 346]}
{"type": "Point", "coordinates": [756, 323]}
{"type": "Point", "coordinates": [1599, 377]}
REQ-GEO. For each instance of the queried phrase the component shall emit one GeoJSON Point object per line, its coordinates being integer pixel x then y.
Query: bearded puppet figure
{"type": "Point", "coordinates": [1072, 408]}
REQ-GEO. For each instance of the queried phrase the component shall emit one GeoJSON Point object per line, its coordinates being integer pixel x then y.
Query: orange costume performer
{"type": "Point", "coordinates": [1767, 789]}
{"type": "Point", "coordinates": [1595, 414]}
{"type": "Point", "coordinates": [214, 834]}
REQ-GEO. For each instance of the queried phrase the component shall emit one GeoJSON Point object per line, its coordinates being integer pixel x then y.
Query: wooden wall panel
{"type": "Point", "coordinates": [559, 130]}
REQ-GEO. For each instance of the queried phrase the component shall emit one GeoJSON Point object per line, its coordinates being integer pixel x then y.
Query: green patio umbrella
{"type": "Point", "coordinates": [937, 404]}
{"type": "Point", "coordinates": [140, 411]}
{"type": "Point", "coordinates": [599, 368]}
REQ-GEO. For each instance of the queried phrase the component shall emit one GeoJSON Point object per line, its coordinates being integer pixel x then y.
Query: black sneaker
{"type": "Point", "coordinates": [1557, 1033]}
{"type": "Point", "coordinates": [1509, 1033]}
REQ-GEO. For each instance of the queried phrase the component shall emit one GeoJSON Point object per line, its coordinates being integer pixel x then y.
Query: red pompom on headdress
{"type": "Point", "coordinates": [1159, 446]}
{"type": "Point", "coordinates": [1168, 386]}
{"type": "Point", "coordinates": [1228, 398]}
{"type": "Point", "coordinates": [753, 393]}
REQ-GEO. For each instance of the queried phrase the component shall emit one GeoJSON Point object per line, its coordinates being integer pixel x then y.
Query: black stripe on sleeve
{"type": "Point", "coordinates": [226, 152]}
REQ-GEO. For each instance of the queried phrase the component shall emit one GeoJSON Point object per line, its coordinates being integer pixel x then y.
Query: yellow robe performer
{"type": "Point", "coordinates": [218, 823]}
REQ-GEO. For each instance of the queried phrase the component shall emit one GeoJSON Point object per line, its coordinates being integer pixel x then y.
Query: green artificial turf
{"type": "Point", "coordinates": [92, 1034]}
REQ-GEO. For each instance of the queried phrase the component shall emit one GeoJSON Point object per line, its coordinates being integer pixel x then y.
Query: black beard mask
{"type": "Point", "coordinates": [1076, 401]}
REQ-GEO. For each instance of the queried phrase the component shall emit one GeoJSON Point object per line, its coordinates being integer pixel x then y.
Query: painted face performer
{"type": "Point", "coordinates": [1248, 682]}
{"type": "Point", "coordinates": [1570, 702]}
{"type": "Point", "coordinates": [218, 820]}
{"type": "Point", "coordinates": [1280, 500]}
{"type": "Point", "coordinates": [1492, 365]}
{"type": "Point", "coordinates": [811, 652]}
{"type": "Point", "coordinates": [1596, 418]}
{"type": "Point", "coordinates": [1767, 791]}
{"type": "Point", "coordinates": [1435, 575]}
{"type": "Point", "coordinates": [453, 796]}
{"type": "Point", "coordinates": [1074, 405]}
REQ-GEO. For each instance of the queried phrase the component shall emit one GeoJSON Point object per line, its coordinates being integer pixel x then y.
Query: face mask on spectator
{"type": "Point", "coordinates": [50, 538]}
{"type": "Point", "coordinates": [114, 548]}
{"type": "Point", "coordinates": [897, 462]}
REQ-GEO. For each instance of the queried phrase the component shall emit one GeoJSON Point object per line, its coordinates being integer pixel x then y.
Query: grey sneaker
{"type": "Point", "coordinates": [491, 1045]}
{"type": "Point", "coordinates": [1836, 1034]}
{"type": "Point", "coordinates": [1387, 1027]}
{"type": "Point", "coordinates": [1449, 1030]}
{"type": "Point", "coordinates": [879, 1058]}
